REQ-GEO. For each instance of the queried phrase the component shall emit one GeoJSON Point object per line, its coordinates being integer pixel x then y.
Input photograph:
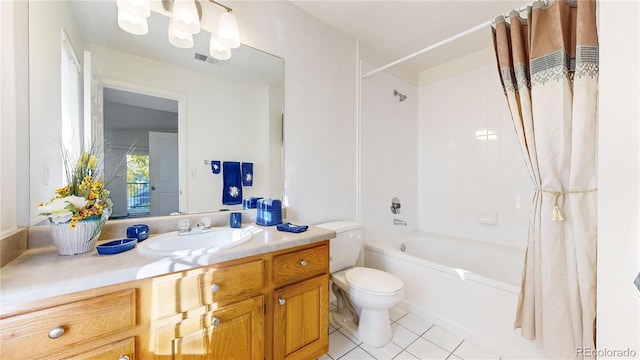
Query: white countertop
{"type": "Point", "coordinates": [41, 272]}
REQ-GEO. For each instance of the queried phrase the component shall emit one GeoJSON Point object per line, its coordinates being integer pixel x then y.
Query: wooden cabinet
{"type": "Point", "coordinates": [64, 330]}
{"type": "Point", "coordinates": [234, 331]}
{"type": "Point", "coordinates": [301, 303]}
{"type": "Point", "coordinates": [301, 321]}
{"type": "Point", "coordinates": [271, 306]}
{"type": "Point", "coordinates": [214, 312]}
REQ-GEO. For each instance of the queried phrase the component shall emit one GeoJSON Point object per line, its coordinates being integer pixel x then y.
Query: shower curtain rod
{"type": "Point", "coordinates": [440, 43]}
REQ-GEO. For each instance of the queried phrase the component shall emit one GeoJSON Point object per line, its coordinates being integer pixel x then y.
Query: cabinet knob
{"type": "Point", "coordinates": [123, 357]}
{"type": "Point", "coordinates": [56, 333]}
{"type": "Point", "coordinates": [215, 321]}
{"type": "Point", "coordinates": [281, 301]}
{"type": "Point", "coordinates": [215, 287]}
{"type": "Point", "coordinates": [303, 262]}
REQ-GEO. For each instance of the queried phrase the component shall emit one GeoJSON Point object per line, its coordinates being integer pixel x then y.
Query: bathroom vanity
{"type": "Point", "coordinates": [267, 299]}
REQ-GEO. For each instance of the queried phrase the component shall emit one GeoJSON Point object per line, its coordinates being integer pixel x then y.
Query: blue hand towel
{"type": "Point", "coordinates": [247, 174]}
{"type": "Point", "coordinates": [289, 227]}
{"type": "Point", "coordinates": [232, 183]}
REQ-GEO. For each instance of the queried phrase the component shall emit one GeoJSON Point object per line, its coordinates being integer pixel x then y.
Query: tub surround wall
{"type": "Point", "coordinates": [388, 154]}
{"type": "Point", "coordinates": [473, 182]}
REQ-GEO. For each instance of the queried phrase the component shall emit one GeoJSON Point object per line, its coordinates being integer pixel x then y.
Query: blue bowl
{"type": "Point", "coordinates": [116, 246]}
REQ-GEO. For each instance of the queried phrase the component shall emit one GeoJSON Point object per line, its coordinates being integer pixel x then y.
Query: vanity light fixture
{"type": "Point", "coordinates": [185, 21]}
{"type": "Point", "coordinates": [132, 16]}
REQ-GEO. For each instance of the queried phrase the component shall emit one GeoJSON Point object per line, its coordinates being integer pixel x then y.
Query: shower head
{"type": "Point", "coordinates": [400, 96]}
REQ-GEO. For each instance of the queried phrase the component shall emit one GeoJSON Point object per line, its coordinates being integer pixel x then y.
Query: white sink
{"type": "Point", "coordinates": [172, 244]}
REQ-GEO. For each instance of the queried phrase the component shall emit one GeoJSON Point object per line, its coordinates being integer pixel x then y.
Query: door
{"type": "Point", "coordinates": [163, 174]}
{"type": "Point", "coordinates": [301, 320]}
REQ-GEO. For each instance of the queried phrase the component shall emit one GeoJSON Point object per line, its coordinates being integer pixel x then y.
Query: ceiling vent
{"type": "Point", "coordinates": [209, 59]}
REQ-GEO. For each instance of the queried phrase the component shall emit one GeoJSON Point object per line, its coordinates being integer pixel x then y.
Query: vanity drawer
{"type": "Point", "coordinates": [51, 329]}
{"type": "Point", "coordinates": [233, 282]}
{"type": "Point", "coordinates": [300, 265]}
{"type": "Point", "coordinates": [182, 292]}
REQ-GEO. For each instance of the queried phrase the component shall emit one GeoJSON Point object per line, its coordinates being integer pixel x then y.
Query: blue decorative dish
{"type": "Point", "coordinates": [116, 246]}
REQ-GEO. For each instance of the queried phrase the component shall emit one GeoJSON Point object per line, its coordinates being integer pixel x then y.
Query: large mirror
{"type": "Point", "coordinates": [158, 112]}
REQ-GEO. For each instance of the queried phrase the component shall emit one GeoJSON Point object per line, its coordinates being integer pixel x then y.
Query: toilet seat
{"type": "Point", "coordinates": [373, 281]}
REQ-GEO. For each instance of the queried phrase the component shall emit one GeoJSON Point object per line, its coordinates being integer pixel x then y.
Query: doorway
{"type": "Point", "coordinates": [130, 121]}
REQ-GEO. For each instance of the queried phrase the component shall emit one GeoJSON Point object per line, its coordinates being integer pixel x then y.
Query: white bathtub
{"type": "Point", "coordinates": [467, 287]}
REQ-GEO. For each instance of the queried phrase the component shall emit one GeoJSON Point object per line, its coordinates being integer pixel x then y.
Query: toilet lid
{"type": "Point", "coordinates": [373, 280]}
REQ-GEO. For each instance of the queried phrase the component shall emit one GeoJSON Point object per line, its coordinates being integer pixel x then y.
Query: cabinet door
{"type": "Point", "coordinates": [231, 332]}
{"type": "Point", "coordinates": [301, 320]}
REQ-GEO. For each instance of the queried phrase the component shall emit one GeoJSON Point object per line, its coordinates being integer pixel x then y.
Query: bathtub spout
{"type": "Point", "coordinates": [399, 222]}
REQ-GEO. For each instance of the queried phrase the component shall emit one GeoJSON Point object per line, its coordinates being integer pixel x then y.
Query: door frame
{"type": "Point", "coordinates": [181, 98]}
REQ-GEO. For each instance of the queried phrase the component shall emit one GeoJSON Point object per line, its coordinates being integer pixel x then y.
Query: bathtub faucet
{"type": "Point", "coordinates": [399, 222]}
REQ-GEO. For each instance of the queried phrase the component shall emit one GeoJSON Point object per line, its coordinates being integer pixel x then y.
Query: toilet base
{"type": "Point", "coordinates": [373, 328]}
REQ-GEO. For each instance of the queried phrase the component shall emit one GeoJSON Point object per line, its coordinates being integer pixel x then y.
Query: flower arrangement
{"type": "Point", "coordinates": [85, 195]}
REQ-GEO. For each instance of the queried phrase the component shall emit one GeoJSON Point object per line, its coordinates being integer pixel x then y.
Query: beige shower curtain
{"type": "Point", "coordinates": [548, 66]}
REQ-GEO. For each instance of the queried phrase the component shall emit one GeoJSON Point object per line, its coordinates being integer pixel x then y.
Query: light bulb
{"type": "Point", "coordinates": [185, 16]}
{"type": "Point", "coordinates": [137, 8]}
{"type": "Point", "coordinates": [217, 50]}
{"type": "Point", "coordinates": [179, 38]}
{"type": "Point", "coordinates": [132, 24]}
{"type": "Point", "coordinates": [228, 34]}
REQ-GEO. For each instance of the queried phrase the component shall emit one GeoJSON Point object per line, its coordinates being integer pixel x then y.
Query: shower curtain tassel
{"type": "Point", "coordinates": [556, 214]}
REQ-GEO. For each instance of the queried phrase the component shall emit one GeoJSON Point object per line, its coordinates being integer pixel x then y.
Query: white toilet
{"type": "Point", "coordinates": [369, 292]}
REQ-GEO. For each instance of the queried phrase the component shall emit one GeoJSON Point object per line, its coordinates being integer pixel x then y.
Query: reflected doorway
{"type": "Point", "coordinates": [132, 124]}
{"type": "Point", "coordinates": [138, 199]}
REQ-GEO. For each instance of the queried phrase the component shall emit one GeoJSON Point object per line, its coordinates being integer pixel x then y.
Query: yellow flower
{"type": "Point", "coordinates": [92, 162]}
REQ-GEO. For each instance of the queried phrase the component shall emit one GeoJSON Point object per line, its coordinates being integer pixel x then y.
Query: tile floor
{"type": "Point", "coordinates": [413, 338]}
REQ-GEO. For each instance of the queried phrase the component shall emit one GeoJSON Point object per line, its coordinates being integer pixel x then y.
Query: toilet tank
{"type": "Point", "coordinates": [345, 248]}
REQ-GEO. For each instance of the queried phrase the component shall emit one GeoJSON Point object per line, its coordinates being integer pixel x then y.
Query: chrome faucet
{"type": "Point", "coordinates": [399, 222]}
{"type": "Point", "coordinates": [202, 226]}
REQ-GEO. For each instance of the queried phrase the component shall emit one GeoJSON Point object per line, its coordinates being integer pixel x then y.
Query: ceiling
{"type": "Point", "coordinates": [390, 30]}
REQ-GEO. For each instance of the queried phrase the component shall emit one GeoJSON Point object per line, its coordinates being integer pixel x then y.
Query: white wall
{"type": "Point", "coordinates": [320, 106]}
{"type": "Point", "coordinates": [466, 177]}
{"type": "Point", "coordinates": [46, 171]}
{"type": "Point", "coordinates": [618, 317]}
{"type": "Point", "coordinates": [389, 154]}
{"type": "Point", "coordinates": [14, 122]}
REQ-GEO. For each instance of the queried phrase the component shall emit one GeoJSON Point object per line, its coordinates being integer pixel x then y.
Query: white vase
{"type": "Point", "coordinates": [82, 238]}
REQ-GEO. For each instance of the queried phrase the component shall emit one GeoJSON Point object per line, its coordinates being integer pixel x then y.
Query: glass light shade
{"type": "Point", "coordinates": [228, 34]}
{"type": "Point", "coordinates": [178, 38]}
{"type": "Point", "coordinates": [217, 50]}
{"type": "Point", "coordinates": [132, 24]}
{"type": "Point", "coordinates": [137, 8]}
{"type": "Point", "coordinates": [185, 16]}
